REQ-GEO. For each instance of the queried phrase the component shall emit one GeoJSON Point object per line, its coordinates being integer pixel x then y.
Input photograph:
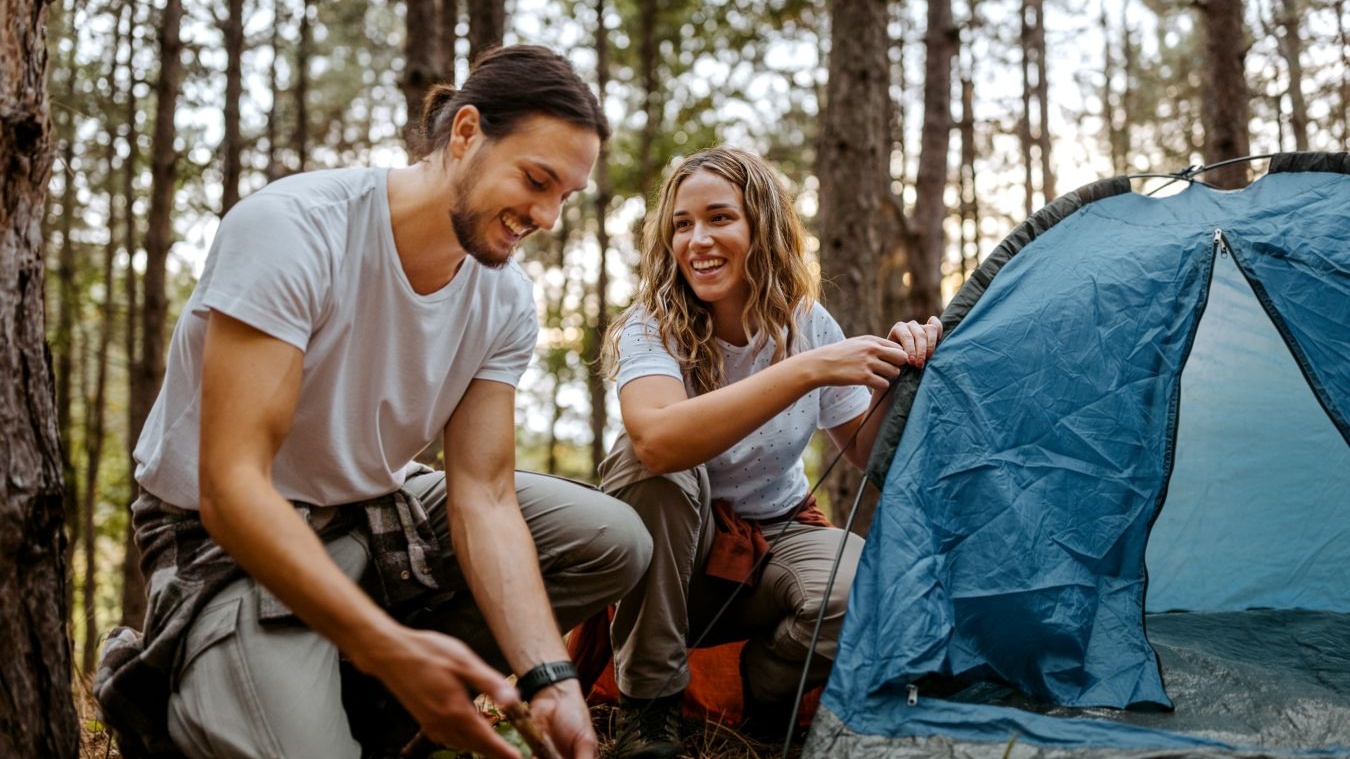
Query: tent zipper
{"type": "Point", "coordinates": [1220, 244]}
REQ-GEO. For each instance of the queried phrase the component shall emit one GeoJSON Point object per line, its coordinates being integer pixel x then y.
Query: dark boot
{"type": "Point", "coordinates": [765, 721]}
{"type": "Point", "coordinates": [649, 728]}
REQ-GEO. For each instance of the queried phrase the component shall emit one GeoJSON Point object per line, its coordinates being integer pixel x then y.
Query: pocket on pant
{"type": "Point", "coordinates": [214, 624]}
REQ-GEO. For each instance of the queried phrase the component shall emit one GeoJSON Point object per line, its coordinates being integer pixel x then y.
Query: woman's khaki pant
{"type": "Point", "coordinates": [674, 603]}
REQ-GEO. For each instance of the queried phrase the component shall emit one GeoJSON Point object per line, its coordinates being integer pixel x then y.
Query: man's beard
{"type": "Point", "coordinates": [469, 224]}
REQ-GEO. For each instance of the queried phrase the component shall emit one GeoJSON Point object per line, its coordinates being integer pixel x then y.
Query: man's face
{"type": "Point", "coordinates": [511, 186]}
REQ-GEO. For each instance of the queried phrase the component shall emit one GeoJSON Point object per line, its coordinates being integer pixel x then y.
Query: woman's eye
{"type": "Point", "coordinates": [535, 183]}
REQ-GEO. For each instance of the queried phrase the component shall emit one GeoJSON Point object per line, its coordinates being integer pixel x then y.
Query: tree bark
{"type": "Point", "coordinates": [857, 216]}
{"type": "Point", "coordinates": [232, 146]}
{"type": "Point", "coordinates": [648, 62]}
{"type": "Point", "coordinates": [275, 168]}
{"type": "Point", "coordinates": [300, 138]}
{"type": "Point", "coordinates": [420, 68]}
{"type": "Point", "coordinates": [447, 15]}
{"type": "Point", "coordinates": [595, 373]}
{"type": "Point", "coordinates": [1224, 100]}
{"type": "Point", "coordinates": [158, 239]}
{"type": "Point", "coordinates": [1291, 48]}
{"type": "Point", "coordinates": [1034, 129]}
{"type": "Point", "coordinates": [38, 715]}
{"type": "Point", "coordinates": [929, 242]}
{"type": "Point", "coordinates": [487, 26]}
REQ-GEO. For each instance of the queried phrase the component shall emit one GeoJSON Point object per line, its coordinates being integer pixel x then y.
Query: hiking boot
{"type": "Point", "coordinates": [767, 722]}
{"type": "Point", "coordinates": [649, 728]}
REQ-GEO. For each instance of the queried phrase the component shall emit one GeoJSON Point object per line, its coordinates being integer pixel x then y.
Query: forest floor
{"type": "Point", "coordinates": [710, 740]}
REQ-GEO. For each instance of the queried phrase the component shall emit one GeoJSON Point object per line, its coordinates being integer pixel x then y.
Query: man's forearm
{"type": "Point", "coordinates": [497, 554]}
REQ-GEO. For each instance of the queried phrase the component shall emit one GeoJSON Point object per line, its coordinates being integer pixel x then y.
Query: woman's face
{"type": "Point", "coordinates": [711, 241]}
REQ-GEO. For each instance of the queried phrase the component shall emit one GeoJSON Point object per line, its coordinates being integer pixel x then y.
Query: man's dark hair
{"type": "Point", "coordinates": [506, 85]}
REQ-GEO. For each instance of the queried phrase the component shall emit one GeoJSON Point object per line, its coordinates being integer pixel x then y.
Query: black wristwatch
{"type": "Point", "coordinates": [544, 675]}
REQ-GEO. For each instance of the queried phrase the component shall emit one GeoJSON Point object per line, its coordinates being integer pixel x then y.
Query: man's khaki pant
{"type": "Point", "coordinates": [255, 691]}
{"type": "Point", "coordinates": [674, 603]}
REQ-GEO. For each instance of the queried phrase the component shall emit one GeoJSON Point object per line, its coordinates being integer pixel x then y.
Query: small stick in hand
{"type": "Point", "coordinates": [538, 741]}
{"type": "Point", "coordinates": [519, 714]}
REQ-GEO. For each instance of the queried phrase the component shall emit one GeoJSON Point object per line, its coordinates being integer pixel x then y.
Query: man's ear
{"type": "Point", "coordinates": [464, 130]}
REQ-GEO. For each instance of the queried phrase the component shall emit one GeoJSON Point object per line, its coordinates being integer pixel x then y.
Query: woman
{"type": "Point", "coordinates": [726, 365]}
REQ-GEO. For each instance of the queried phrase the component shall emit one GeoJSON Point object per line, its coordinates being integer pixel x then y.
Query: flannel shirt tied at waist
{"type": "Point", "coordinates": [185, 569]}
{"type": "Point", "coordinates": [739, 545]}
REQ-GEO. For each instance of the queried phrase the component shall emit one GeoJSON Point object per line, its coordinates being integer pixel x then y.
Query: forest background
{"type": "Point", "coordinates": [915, 135]}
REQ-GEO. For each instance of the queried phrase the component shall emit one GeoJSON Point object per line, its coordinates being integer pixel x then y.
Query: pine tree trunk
{"type": "Point", "coordinates": [447, 20]}
{"type": "Point", "coordinates": [857, 216]}
{"type": "Point", "coordinates": [419, 71]}
{"type": "Point", "coordinates": [300, 138]}
{"type": "Point", "coordinates": [1291, 48]}
{"type": "Point", "coordinates": [275, 169]}
{"type": "Point", "coordinates": [38, 715]}
{"type": "Point", "coordinates": [930, 208]}
{"type": "Point", "coordinates": [232, 146]}
{"type": "Point", "coordinates": [487, 26]}
{"type": "Point", "coordinates": [1224, 101]}
{"type": "Point", "coordinates": [595, 373]}
{"type": "Point", "coordinates": [648, 62]}
{"type": "Point", "coordinates": [158, 239]}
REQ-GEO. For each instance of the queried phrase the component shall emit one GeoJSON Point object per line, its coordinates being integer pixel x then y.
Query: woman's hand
{"type": "Point", "coordinates": [874, 361]}
{"type": "Point", "coordinates": [917, 340]}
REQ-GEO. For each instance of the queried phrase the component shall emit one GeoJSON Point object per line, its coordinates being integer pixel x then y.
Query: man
{"type": "Point", "coordinates": [343, 320]}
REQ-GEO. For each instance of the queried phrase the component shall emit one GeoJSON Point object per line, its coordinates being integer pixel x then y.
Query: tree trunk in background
{"type": "Point", "coordinates": [447, 20]}
{"type": "Point", "coordinates": [300, 138]}
{"type": "Point", "coordinates": [420, 69]}
{"type": "Point", "coordinates": [232, 146]}
{"type": "Point", "coordinates": [1224, 94]}
{"type": "Point", "coordinates": [970, 200]}
{"type": "Point", "coordinates": [648, 59]}
{"type": "Point", "coordinates": [1034, 131]}
{"type": "Point", "coordinates": [38, 718]}
{"type": "Point", "coordinates": [95, 408]}
{"type": "Point", "coordinates": [595, 373]}
{"type": "Point", "coordinates": [275, 168]}
{"type": "Point", "coordinates": [158, 239]}
{"type": "Point", "coordinates": [1043, 104]}
{"type": "Point", "coordinates": [857, 216]}
{"type": "Point", "coordinates": [487, 26]}
{"type": "Point", "coordinates": [68, 306]}
{"type": "Point", "coordinates": [131, 571]}
{"type": "Point", "coordinates": [894, 266]}
{"type": "Point", "coordinates": [1287, 14]}
{"type": "Point", "coordinates": [928, 242]}
{"type": "Point", "coordinates": [1344, 34]}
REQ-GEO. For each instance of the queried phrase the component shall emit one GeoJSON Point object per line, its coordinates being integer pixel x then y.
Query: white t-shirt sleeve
{"type": "Point", "coordinates": [267, 270]}
{"type": "Point", "coordinates": [837, 404]}
{"type": "Point", "coordinates": [641, 353]}
{"type": "Point", "coordinates": [515, 347]}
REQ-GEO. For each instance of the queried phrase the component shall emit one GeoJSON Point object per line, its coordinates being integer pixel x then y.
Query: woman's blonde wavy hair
{"type": "Point", "coordinates": [781, 282]}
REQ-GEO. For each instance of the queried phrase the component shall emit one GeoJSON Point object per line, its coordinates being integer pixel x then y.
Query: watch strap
{"type": "Point", "coordinates": [544, 675]}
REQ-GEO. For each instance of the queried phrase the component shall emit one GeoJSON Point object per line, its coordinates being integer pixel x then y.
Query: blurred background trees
{"type": "Point", "coordinates": [914, 134]}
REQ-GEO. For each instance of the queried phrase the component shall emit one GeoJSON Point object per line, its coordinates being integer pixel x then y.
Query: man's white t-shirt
{"type": "Point", "coordinates": [310, 260]}
{"type": "Point", "coordinates": [762, 476]}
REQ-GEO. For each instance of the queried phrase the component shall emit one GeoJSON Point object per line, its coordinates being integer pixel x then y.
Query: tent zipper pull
{"type": "Point", "coordinates": [1220, 244]}
{"type": "Point", "coordinates": [913, 698]}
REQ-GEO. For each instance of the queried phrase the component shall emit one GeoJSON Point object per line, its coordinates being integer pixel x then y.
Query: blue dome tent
{"type": "Point", "coordinates": [1115, 510]}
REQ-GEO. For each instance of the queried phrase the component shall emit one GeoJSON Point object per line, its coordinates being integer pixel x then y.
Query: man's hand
{"type": "Point", "coordinates": [562, 714]}
{"type": "Point", "coordinates": [431, 674]}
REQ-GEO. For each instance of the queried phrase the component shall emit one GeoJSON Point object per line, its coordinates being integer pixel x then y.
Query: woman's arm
{"type": "Point", "coordinates": [918, 341]}
{"type": "Point", "coordinates": [671, 431]}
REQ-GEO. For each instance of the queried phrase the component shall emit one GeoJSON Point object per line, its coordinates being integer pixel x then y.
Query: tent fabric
{"type": "Point", "coordinates": [1043, 439]}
